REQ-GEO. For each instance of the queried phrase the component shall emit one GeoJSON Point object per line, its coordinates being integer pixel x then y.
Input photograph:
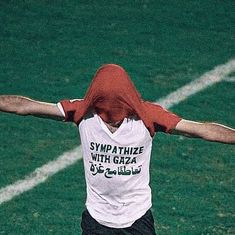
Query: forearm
{"type": "Point", "coordinates": [25, 106]}
{"type": "Point", "coordinates": [207, 131]}
{"type": "Point", "coordinates": [217, 132]}
{"type": "Point", "coordinates": [14, 104]}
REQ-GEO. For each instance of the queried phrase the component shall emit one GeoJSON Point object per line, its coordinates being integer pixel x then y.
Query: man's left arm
{"type": "Point", "coordinates": [207, 131]}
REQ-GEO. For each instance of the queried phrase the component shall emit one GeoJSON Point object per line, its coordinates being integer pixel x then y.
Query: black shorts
{"type": "Point", "coordinates": [142, 226]}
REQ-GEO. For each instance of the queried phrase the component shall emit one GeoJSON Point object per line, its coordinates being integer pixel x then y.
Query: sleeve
{"type": "Point", "coordinates": [60, 107]}
{"type": "Point", "coordinates": [69, 108]}
{"type": "Point", "coordinates": [163, 120]}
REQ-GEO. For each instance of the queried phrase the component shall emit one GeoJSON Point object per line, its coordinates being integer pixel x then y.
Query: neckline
{"type": "Point", "coordinates": [106, 129]}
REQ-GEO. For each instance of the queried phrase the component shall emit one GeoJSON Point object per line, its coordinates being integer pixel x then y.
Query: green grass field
{"type": "Point", "coordinates": [49, 50]}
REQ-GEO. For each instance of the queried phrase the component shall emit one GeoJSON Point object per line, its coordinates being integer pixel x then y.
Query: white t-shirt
{"type": "Point", "coordinates": [116, 170]}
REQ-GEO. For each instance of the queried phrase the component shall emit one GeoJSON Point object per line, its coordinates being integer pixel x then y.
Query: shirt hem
{"type": "Point", "coordinates": [115, 225]}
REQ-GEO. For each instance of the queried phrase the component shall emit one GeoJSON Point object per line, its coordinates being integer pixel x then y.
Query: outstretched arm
{"type": "Point", "coordinates": [207, 131]}
{"type": "Point", "coordinates": [25, 106]}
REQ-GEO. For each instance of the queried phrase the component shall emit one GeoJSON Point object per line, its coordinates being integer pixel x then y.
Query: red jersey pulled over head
{"type": "Point", "coordinates": [113, 96]}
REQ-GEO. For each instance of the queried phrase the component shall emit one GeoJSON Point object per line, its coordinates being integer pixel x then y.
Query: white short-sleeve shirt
{"type": "Point", "coordinates": [116, 170]}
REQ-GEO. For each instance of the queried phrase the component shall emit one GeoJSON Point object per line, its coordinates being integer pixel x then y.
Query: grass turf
{"type": "Point", "coordinates": [49, 50]}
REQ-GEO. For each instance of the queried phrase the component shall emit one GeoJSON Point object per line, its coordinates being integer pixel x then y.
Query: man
{"type": "Point", "coordinates": [116, 128]}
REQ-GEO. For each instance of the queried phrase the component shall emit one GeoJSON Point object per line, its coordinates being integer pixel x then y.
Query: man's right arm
{"type": "Point", "coordinates": [25, 106]}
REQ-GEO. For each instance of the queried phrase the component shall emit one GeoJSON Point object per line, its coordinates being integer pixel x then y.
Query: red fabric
{"type": "Point", "coordinates": [113, 96]}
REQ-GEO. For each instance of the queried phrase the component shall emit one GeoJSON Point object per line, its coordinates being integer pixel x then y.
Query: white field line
{"type": "Point", "coordinates": [229, 79]}
{"type": "Point", "coordinates": [69, 158]}
{"type": "Point", "coordinates": [40, 175]}
{"type": "Point", "coordinates": [208, 79]}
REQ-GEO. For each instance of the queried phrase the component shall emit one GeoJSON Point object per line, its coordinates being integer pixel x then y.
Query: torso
{"type": "Point", "coordinates": [116, 161]}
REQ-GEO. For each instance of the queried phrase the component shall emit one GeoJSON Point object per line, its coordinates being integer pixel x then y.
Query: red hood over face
{"type": "Point", "coordinates": [113, 96]}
